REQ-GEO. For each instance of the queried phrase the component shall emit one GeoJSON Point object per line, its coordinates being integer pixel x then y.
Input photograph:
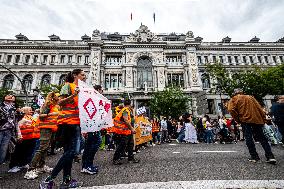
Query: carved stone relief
{"type": "Point", "coordinates": [95, 67]}
{"type": "Point", "coordinates": [142, 35]}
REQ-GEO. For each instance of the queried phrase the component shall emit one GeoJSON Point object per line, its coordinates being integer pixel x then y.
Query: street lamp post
{"type": "Point", "coordinates": [22, 84]}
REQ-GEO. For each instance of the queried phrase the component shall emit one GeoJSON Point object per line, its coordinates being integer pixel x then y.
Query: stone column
{"type": "Point", "coordinates": [95, 65]}
{"type": "Point", "coordinates": [270, 59]}
{"type": "Point", "coordinates": [226, 62]}
{"type": "Point", "coordinates": [278, 61]}
{"type": "Point", "coordinates": [53, 78]}
{"type": "Point", "coordinates": [129, 78]}
{"type": "Point", "coordinates": [22, 57]}
{"type": "Point", "coordinates": [193, 70]}
{"type": "Point", "coordinates": [161, 78]}
{"type": "Point", "coordinates": [186, 84]}
{"type": "Point", "coordinates": [16, 83]}
{"type": "Point", "coordinates": [2, 58]}
{"type": "Point", "coordinates": [102, 79]}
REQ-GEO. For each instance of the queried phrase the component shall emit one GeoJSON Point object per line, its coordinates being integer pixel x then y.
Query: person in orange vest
{"type": "Point", "coordinates": [156, 131]}
{"type": "Point", "coordinates": [24, 149]}
{"type": "Point", "coordinates": [47, 123]}
{"type": "Point", "coordinates": [124, 128]}
{"type": "Point", "coordinates": [70, 124]}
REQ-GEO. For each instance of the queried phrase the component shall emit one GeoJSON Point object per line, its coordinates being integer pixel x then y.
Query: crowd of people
{"type": "Point", "coordinates": [27, 136]}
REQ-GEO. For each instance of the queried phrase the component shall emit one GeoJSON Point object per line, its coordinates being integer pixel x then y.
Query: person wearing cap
{"type": "Point", "coordinates": [246, 110]}
{"type": "Point", "coordinates": [47, 124]}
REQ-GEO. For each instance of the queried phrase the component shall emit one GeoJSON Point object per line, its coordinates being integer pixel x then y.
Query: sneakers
{"type": "Point", "coordinates": [25, 167]}
{"type": "Point", "coordinates": [47, 185]}
{"type": "Point", "coordinates": [116, 162]}
{"type": "Point", "coordinates": [30, 175]}
{"type": "Point", "coordinates": [271, 161]}
{"type": "Point", "coordinates": [71, 184]}
{"type": "Point", "coordinates": [133, 160]}
{"type": "Point", "coordinates": [45, 169]}
{"type": "Point", "coordinates": [254, 160]}
{"type": "Point", "coordinates": [177, 141]}
{"type": "Point", "coordinates": [14, 170]}
{"type": "Point", "coordinates": [90, 170]}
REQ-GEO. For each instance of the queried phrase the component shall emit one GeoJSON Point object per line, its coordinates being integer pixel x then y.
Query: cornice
{"type": "Point", "coordinates": [54, 47]}
{"type": "Point", "coordinates": [210, 48]}
{"type": "Point", "coordinates": [45, 67]}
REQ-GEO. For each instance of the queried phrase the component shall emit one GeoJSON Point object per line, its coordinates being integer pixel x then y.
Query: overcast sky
{"type": "Point", "coordinates": [210, 19]}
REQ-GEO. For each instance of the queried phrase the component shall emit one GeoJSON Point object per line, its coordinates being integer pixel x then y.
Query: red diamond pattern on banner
{"type": "Point", "coordinates": [90, 108]}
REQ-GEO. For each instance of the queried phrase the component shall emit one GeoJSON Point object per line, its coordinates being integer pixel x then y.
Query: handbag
{"type": "Point", "coordinates": [12, 145]}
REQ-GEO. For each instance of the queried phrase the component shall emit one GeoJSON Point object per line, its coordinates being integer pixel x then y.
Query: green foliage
{"type": "Point", "coordinates": [44, 90]}
{"type": "Point", "coordinates": [253, 80]}
{"type": "Point", "coordinates": [19, 101]}
{"type": "Point", "coordinates": [169, 102]}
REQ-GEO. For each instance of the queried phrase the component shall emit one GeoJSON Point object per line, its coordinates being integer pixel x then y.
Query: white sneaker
{"type": "Point", "coordinates": [45, 169]}
{"type": "Point", "coordinates": [14, 170]}
{"type": "Point", "coordinates": [31, 175]}
{"type": "Point", "coordinates": [25, 167]}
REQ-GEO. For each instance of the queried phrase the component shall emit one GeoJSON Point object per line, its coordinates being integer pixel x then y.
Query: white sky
{"type": "Point", "coordinates": [211, 19]}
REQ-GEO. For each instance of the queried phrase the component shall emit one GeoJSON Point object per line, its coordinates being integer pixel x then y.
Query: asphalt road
{"type": "Point", "coordinates": [167, 162]}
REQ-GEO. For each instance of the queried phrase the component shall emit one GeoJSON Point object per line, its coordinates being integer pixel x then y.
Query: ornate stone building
{"type": "Point", "coordinates": [135, 64]}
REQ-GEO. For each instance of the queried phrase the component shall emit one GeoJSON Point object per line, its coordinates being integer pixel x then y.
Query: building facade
{"type": "Point", "coordinates": [136, 64]}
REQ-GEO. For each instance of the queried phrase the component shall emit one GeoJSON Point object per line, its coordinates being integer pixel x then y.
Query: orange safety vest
{"type": "Point", "coordinates": [50, 122]}
{"type": "Point", "coordinates": [69, 113]}
{"type": "Point", "coordinates": [155, 126]}
{"type": "Point", "coordinates": [35, 123]}
{"type": "Point", "coordinates": [29, 130]}
{"type": "Point", "coordinates": [120, 126]}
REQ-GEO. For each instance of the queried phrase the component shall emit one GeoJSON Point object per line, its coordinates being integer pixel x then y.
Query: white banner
{"type": "Point", "coordinates": [94, 109]}
{"type": "Point", "coordinates": [40, 100]}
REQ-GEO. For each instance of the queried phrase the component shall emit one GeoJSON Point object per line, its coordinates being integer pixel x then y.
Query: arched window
{"type": "Point", "coordinates": [46, 80]}
{"type": "Point", "coordinates": [205, 79]}
{"type": "Point", "coordinates": [62, 79]}
{"type": "Point", "coordinates": [28, 80]}
{"type": "Point", "coordinates": [144, 72]}
{"type": "Point", "coordinates": [8, 82]}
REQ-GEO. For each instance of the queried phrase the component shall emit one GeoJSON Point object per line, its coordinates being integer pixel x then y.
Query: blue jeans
{"type": "Point", "coordinates": [156, 137]}
{"type": "Point", "coordinates": [209, 136]}
{"type": "Point", "coordinates": [181, 135]}
{"type": "Point", "coordinates": [92, 145]}
{"type": "Point", "coordinates": [71, 134]}
{"type": "Point", "coordinates": [251, 129]}
{"type": "Point", "coordinates": [5, 137]}
{"type": "Point", "coordinates": [80, 143]}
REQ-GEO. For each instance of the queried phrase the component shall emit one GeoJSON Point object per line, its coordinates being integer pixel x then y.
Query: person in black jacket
{"type": "Point", "coordinates": [277, 111]}
{"type": "Point", "coordinates": [8, 124]}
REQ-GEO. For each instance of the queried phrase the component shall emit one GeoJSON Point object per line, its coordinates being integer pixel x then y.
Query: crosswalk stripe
{"type": "Point", "coordinates": [208, 184]}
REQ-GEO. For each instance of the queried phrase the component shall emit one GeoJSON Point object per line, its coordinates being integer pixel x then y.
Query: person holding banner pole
{"type": "Point", "coordinates": [92, 144]}
{"type": "Point", "coordinates": [124, 128]}
{"type": "Point", "coordinates": [70, 123]}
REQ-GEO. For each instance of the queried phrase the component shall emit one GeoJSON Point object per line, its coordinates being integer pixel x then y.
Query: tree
{"type": "Point", "coordinates": [253, 80]}
{"type": "Point", "coordinates": [50, 88]}
{"type": "Point", "coordinates": [169, 102]}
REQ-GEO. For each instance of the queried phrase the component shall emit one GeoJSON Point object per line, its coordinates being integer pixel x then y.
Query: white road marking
{"type": "Point", "coordinates": [199, 184]}
{"type": "Point", "coordinates": [176, 152]}
{"type": "Point", "coordinates": [172, 144]}
{"type": "Point", "coordinates": [216, 151]}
